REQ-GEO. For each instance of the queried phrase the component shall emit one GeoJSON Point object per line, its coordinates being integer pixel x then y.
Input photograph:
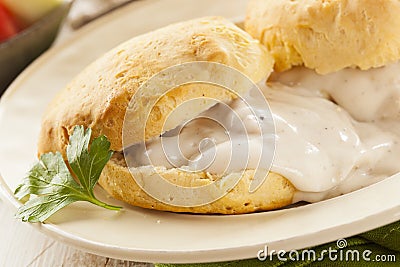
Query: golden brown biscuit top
{"type": "Point", "coordinates": [98, 97]}
{"type": "Point", "coordinates": [327, 35]}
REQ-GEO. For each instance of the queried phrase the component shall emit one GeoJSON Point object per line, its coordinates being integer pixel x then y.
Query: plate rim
{"type": "Point", "coordinates": [211, 255]}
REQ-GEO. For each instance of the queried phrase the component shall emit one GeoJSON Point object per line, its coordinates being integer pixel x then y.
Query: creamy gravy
{"type": "Point", "coordinates": [325, 148]}
{"type": "Point", "coordinates": [366, 95]}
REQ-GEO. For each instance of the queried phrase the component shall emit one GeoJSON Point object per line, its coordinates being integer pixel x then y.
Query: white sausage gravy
{"type": "Point", "coordinates": [333, 134]}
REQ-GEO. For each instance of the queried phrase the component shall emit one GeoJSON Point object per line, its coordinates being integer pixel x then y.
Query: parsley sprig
{"type": "Point", "coordinates": [54, 184]}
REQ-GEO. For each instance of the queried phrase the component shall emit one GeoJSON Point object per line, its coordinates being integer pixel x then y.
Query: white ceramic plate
{"type": "Point", "coordinates": [151, 236]}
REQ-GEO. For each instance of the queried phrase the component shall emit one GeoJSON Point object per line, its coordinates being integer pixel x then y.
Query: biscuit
{"type": "Point", "coordinates": [327, 35]}
{"type": "Point", "coordinates": [98, 98]}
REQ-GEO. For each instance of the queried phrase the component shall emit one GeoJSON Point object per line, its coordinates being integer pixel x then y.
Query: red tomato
{"type": "Point", "coordinates": [8, 26]}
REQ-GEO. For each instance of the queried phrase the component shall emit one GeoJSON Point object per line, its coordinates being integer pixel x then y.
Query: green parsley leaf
{"type": "Point", "coordinates": [53, 183]}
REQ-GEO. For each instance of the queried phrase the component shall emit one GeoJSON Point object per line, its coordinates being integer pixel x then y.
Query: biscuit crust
{"type": "Point", "coordinates": [99, 96]}
{"type": "Point", "coordinates": [275, 192]}
{"type": "Point", "coordinates": [327, 35]}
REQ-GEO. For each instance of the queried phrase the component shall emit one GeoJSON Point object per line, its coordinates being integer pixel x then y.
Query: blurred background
{"type": "Point", "coordinates": [29, 27]}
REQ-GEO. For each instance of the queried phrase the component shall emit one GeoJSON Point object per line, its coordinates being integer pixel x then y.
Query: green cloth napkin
{"type": "Point", "coordinates": [383, 242]}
